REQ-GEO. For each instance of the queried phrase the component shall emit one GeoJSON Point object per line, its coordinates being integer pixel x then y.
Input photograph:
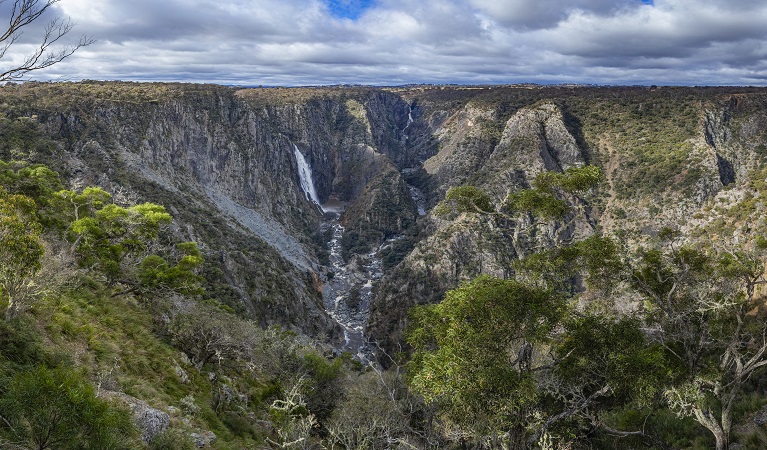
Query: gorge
{"type": "Point", "coordinates": [320, 216]}
{"type": "Point", "coordinates": [260, 163]}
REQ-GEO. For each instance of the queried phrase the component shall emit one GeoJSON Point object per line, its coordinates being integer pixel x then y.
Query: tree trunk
{"type": "Point", "coordinates": [721, 440]}
{"type": "Point", "coordinates": [9, 311]}
{"type": "Point", "coordinates": [721, 435]}
{"type": "Point", "coordinates": [726, 425]}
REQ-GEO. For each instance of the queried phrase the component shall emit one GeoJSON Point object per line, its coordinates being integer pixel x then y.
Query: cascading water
{"type": "Point", "coordinates": [409, 122]}
{"type": "Point", "coordinates": [347, 293]}
{"type": "Point", "coordinates": [305, 175]}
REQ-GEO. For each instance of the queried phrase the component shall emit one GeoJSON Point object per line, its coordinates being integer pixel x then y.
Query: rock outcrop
{"type": "Point", "coordinates": [151, 422]}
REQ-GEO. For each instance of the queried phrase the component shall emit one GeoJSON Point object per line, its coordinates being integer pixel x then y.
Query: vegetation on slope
{"type": "Point", "coordinates": [105, 313]}
{"type": "Point", "coordinates": [106, 307]}
{"type": "Point", "coordinates": [532, 369]}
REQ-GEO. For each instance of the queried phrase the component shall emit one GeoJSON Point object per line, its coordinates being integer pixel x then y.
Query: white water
{"type": "Point", "coordinates": [305, 174]}
{"type": "Point", "coordinates": [409, 118]}
{"type": "Point", "coordinates": [419, 199]}
{"type": "Point", "coordinates": [357, 275]}
{"type": "Point", "coordinates": [409, 122]}
{"type": "Point", "coordinates": [336, 292]}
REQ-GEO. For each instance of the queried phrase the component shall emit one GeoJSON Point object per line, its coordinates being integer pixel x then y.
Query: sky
{"type": "Point", "coordinates": [395, 42]}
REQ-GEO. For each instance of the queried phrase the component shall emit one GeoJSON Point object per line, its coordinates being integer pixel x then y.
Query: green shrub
{"type": "Point", "coordinates": [172, 439]}
{"type": "Point", "coordinates": [56, 408]}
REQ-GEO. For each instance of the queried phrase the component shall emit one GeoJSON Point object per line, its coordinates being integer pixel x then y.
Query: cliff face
{"type": "Point", "coordinates": [222, 161]}
{"type": "Point", "coordinates": [472, 151]}
{"type": "Point", "coordinates": [677, 157]}
{"type": "Point", "coordinates": [221, 170]}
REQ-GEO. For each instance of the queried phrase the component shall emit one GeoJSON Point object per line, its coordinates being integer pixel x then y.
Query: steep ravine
{"type": "Point", "coordinates": [223, 161]}
{"type": "Point", "coordinates": [347, 289]}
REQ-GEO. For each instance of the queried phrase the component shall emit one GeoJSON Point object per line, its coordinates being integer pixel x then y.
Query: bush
{"type": "Point", "coordinates": [56, 408]}
{"type": "Point", "coordinates": [172, 439]}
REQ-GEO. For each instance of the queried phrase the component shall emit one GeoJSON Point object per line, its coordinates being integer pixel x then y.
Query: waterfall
{"type": "Point", "coordinates": [305, 174]}
{"type": "Point", "coordinates": [409, 118]}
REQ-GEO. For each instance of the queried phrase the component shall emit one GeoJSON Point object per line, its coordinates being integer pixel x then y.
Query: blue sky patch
{"type": "Point", "coordinates": [348, 9]}
{"type": "Point", "coordinates": [649, 2]}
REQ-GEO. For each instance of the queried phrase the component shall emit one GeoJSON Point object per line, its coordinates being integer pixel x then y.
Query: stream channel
{"type": "Point", "coordinates": [348, 290]}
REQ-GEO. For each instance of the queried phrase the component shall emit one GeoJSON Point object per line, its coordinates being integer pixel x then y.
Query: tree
{"type": "Point", "coordinates": [477, 353]}
{"type": "Point", "coordinates": [294, 423]}
{"type": "Point", "coordinates": [701, 307]}
{"type": "Point", "coordinates": [482, 353]}
{"type": "Point", "coordinates": [83, 204]}
{"type": "Point", "coordinates": [56, 409]}
{"type": "Point", "coordinates": [48, 50]}
{"type": "Point", "coordinates": [692, 345]}
{"type": "Point", "coordinates": [157, 275]}
{"type": "Point", "coordinates": [373, 413]}
{"type": "Point", "coordinates": [36, 181]}
{"type": "Point", "coordinates": [553, 196]}
{"type": "Point", "coordinates": [547, 198]}
{"type": "Point", "coordinates": [112, 238]}
{"type": "Point", "coordinates": [20, 251]}
{"type": "Point", "coordinates": [207, 333]}
{"type": "Point", "coordinates": [601, 364]}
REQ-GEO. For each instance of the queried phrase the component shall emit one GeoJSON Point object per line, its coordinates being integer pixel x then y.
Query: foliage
{"type": "Point", "coordinates": [119, 242]}
{"type": "Point", "coordinates": [172, 439]}
{"type": "Point", "coordinates": [107, 238]}
{"type": "Point", "coordinates": [157, 275]}
{"type": "Point", "coordinates": [546, 198]}
{"type": "Point", "coordinates": [323, 383]}
{"type": "Point", "coordinates": [597, 351]}
{"type": "Point", "coordinates": [35, 181]}
{"type": "Point", "coordinates": [464, 345]}
{"type": "Point", "coordinates": [56, 408]}
{"type": "Point", "coordinates": [705, 340]}
{"type": "Point", "coordinates": [374, 413]}
{"type": "Point", "coordinates": [466, 199]}
{"type": "Point", "coordinates": [703, 305]}
{"type": "Point", "coordinates": [20, 250]}
{"type": "Point", "coordinates": [207, 334]}
{"type": "Point", "coordinates": [20, 346]}
{"type": "Point", "coordinates": [23, 140]}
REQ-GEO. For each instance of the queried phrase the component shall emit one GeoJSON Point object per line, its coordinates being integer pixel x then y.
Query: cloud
{"type": "Point", "coordinates": [678, 28]}
{"type": "Point", "coordinates": [291, 42]}
{"type": "Point", "coordinates": [525, 14]}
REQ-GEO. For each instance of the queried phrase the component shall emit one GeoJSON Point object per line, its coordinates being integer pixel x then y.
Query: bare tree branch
{"type": "Point", "coordinates": [48, 52]}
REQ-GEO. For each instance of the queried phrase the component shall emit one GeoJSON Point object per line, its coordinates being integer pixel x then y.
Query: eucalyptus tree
{"type": "Point", "coordinates": [21, 251]}
{"type": "Point", "coordinates": [512, 358]}
{"type": "Point", "coordinates": [701, 305]}
{"type": "Point", "coordinates": [490, 354]}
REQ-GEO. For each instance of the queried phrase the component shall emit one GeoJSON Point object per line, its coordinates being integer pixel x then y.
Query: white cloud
{"type": "Point", "coordinates": [285, 42]}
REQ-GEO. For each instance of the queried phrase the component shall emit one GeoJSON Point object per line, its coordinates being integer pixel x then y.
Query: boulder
{"type": "Point", "coordinates": [150, 421]}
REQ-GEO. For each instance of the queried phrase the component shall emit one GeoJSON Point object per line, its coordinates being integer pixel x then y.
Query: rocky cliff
{"type": "Point", "coordinates": [222, 161]}
{"type": "Point", "coordinates": [672, 157]}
